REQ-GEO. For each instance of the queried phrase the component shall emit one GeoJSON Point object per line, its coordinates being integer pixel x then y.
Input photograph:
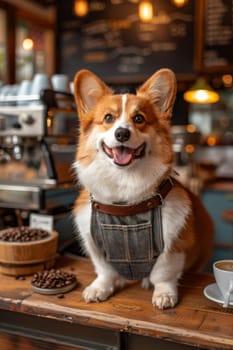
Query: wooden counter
{"type": "Point", "coordinates": [126, 321]}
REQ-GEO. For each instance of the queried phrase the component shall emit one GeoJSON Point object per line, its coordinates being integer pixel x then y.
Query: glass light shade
{"type": "Point", "coordinates": [179, 3]}
{"type": "Point", "coordinates": [201, 93]}
{"type": "Point", "coordinates": [145, 11]}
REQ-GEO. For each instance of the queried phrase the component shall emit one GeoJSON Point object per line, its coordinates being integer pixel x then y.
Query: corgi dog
{"type": "Point", "coordinates": [135, 220]}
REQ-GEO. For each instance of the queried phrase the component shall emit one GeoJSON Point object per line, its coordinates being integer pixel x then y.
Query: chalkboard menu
{"type": "Point", "coordinates": [218, 35]}
{"type": "Point", "coordinates": [112, 41]}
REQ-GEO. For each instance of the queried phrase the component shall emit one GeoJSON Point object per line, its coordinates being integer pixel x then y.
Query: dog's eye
{"type": "Point", "coordinates": [138, 119]}
{"type": "Point", "coordinates": [109, 118]}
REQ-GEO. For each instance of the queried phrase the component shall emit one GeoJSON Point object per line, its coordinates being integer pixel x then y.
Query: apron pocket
{"type": "Point", "coordinates": [129, 243]}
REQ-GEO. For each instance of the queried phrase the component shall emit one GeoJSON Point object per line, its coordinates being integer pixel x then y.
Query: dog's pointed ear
{"type": "Point", "coordinates": [88, 89]}
{"type": "Point", "coordinates": [161, 90]}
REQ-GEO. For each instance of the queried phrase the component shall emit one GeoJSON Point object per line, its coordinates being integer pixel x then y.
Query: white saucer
{"type": "Point", "coordinates": [213, 293]}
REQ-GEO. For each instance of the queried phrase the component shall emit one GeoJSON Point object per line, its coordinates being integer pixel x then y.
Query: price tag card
{"type": "Point", "coordinates": [41, 221]}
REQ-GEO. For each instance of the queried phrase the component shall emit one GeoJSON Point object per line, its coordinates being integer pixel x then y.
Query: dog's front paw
{"type": "Point", "coordinates": [164, 301]}
{"type": "Point", "coordinates": [165, 296]}
{"type": "Point", "coordinates": [97, 291]}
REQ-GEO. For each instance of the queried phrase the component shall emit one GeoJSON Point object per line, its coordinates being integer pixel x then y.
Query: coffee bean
{"type": "Point", "coordinates": [52, 279]}
{"type": "Point", "coordinates": [21, 278]}
{"type": "Point", "coordinates": [60, 296]}
{"type": "Point", "coordinates": [23, 234]}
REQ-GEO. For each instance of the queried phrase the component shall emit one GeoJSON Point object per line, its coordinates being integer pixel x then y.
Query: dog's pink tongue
{"type": "Point", "coordinates": [122, 155]}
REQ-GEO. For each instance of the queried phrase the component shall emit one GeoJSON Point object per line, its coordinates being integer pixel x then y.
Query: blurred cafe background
{"type": "Point", "coordinates": [42, 45]}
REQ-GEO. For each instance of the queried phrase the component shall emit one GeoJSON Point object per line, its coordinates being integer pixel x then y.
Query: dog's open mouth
{"type": "Point", "coordinates": [124, 155]}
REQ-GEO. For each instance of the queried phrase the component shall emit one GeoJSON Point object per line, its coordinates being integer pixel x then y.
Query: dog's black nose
{"type": "Point", "coordinates": [122, 134]}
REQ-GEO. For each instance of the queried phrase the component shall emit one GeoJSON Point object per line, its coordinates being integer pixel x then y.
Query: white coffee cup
{"type": "Point", "coordinates": [39, 82]}
{"type": "Point", "coordinates": [25, 87]}
{"type": "Point", "coordinates": [71, 87]}
{"type": "Point", "coordinates": [24, 90]}
{"type": "Point", "coordinates": [223, 273]}
{"type": "Point", "coordinates": [60, 82]}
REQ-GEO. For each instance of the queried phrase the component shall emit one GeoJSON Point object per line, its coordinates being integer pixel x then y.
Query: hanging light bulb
{"type": "Point", "coordinates": [28, 44]}
{"type": "Point", "coordinates": [179, 3]}
{"type": "Point", "coordinates": [80, 8]}
{"type": "Point", "coordinates": [145, 11]}
{"type": "Point", "coordinates": [201, 93]}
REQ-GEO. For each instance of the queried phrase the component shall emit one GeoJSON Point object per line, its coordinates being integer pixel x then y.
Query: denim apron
{"type": "Point", "coordinates": [131, 244]}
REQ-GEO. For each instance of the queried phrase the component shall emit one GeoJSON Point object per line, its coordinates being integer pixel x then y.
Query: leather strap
{"type": "Point", "coordinates": [123, 210]}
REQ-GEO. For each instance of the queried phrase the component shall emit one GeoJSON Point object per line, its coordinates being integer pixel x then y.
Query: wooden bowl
{"type": "Point", "coordinates": [26, 258]}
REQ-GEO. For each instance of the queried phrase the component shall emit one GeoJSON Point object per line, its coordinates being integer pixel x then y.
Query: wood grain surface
{"type": "Point", "coordinates": [196, 320]}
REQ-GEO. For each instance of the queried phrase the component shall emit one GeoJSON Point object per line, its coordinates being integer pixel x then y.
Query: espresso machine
{"type": "Point", "coordinates": [38, 136]}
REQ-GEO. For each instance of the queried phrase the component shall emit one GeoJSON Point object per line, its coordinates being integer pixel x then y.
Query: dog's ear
{"type": "Point", "coordinates": [88, 88]}
{"type": "Point", "coordinates": [161, 90]}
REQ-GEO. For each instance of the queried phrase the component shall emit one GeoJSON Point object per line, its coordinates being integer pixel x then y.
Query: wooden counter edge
{"type": "Point", "coordinates": [122, 324]}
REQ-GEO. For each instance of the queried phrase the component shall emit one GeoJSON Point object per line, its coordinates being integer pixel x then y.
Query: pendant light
{"type": "Point", "coordinates": [81, 8]}
{"type": "Point", "coordinates": [145, 10]}
{"type": "Point", "coordinates": [28, 44]}
{"type": "Point", "coordinates": [201, 93]}
{"type": "Point", "coordinates": [179, 3]}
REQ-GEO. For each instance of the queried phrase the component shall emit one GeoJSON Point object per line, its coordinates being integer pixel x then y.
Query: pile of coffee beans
{"type": "Point", "coordinates": [53, 278]}
{"type": "Point", "coordinates": [23, 234]}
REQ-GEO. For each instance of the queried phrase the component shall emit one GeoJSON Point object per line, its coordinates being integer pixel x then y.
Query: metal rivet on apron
{"type": "Point", "coordinates": [96, 205]}
{"type": "Point", "coordinates": [149, 204]}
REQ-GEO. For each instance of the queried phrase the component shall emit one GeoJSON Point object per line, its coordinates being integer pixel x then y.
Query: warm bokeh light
{"type": "Point", "coordinates": [227, 80]}
{"type": "Point", "coordinates": [211, 141]}
{"type": "Point", "coordinates": [81, 8]}
{"type": "Point", "coordinates": [189, 148]}
{"type": "Point", "coordinates": [145, 11]}
{"type": "Point", "coordinates": [28, 44]}
{"type": "Point", "coordinates": [179, 3]}
{"type": "Point", "coordinates": [191, 128]}
{"type": "Point", "coordinates": [49, 122]}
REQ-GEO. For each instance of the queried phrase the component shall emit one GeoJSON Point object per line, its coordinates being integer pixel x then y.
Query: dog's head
{"type": "Point", "coordinates": [125, 131]}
